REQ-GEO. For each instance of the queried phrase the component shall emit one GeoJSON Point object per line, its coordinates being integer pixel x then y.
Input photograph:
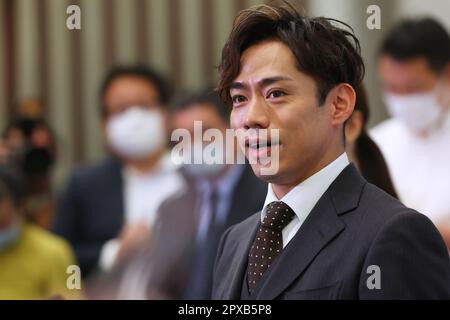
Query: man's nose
{"type": "Point", "coordinates": [257, 114]}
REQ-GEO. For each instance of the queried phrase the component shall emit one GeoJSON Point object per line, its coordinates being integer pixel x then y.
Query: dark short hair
{"type": "Point", "coordinates": [33, 160]}
{"type": "Point", "coordinates": [143, 72]}
{"type": "Point", "coordinates": [325, 49]}
{"type": "Point", "coordinates": [414, 38]}
{"type": "Point", "coordinates": [206, 96]}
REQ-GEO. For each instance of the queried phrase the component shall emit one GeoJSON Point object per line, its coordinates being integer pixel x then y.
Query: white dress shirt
{"type": "Point", "coordinates": [143, 194]}
{"type": "Point", "coordinates": [419, 166]}
{"type": "Point", "coordinates": [305, 195]}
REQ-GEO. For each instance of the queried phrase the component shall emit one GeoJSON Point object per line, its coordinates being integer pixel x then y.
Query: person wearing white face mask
{"type": "Point", "coordinates": [108, 209]}
{"type": "Point", "coordinates": [190, 223]}
{"type": "Point", "coordinates": [414, 67]}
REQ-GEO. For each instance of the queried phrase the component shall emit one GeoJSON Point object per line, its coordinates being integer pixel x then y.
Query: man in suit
{"type": "Point", "coordinates": [324, 232]}
{"type": "Point", "coordinates": [215, 197]}
{"type": "Point", "coordinates": [109, 208]}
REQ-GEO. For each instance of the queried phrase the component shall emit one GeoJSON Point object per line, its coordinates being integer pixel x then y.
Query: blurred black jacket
{"type": "Point", "coordinates": [189, 274]}
{"type": "Point", "coordinates": [90, 211]}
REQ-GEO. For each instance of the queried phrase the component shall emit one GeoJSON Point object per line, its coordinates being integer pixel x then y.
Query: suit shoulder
{"type": "Point", "coordinates": [236, 231]}
{"type": "Point", "coordinates": [97, 171]}
{"type": "Point", "coordinates": [377, 200]}
{"type": "Point", "coordinates": [383, 212]}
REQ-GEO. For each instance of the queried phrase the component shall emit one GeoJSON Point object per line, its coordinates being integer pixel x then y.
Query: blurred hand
{"type": "Point", "coordinates": [131, 237]}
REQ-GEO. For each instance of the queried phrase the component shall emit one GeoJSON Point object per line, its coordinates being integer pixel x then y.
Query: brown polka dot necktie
{"type": "Point", "coordinates": [269, 241]}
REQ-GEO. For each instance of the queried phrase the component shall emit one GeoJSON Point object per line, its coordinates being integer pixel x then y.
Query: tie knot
{"type": "Point", "coordinates": [278, 215]}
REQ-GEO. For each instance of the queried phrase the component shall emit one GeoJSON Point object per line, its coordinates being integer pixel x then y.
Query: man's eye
{"type": "Point", "coordinates": [238, 99]}
{"type": "Point", "coordinates": [276, 94]}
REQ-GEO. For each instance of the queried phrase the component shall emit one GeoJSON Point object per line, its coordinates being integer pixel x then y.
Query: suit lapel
{"type": "Point", "coordinates": [119, 195]}
{"type": "Point", "coordinates": [238, 265]}
{"type": "Point", "coordinates": [320, 228]}
{"type": "Point", "coordinates": [254, 192]}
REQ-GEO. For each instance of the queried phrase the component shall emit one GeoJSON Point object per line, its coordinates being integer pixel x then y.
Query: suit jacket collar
{"type": "Point", "coordinates": [303, 197]}
{"type": "Point", "coordinates": [238, 266]}
{"type": "Point", "coordinates": [113, 179]}
{"type": "Point", "coordinates": [320, 228]}
{"type": "Point", "coordinates": [253, 189]}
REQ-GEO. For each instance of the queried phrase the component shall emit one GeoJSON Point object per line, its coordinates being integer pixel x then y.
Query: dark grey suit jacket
{"type": "Point", "coordinates": [176, 231]}
{"type": "Point", "coordinates": [353, 226]}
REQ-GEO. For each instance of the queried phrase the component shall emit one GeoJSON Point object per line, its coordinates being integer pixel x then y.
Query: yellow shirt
{"type": "Point", "coordinates": [35, 266]}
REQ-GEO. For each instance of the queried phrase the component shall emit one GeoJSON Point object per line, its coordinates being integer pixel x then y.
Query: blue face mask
{"type": "Point", "coordinates": [9, 236]}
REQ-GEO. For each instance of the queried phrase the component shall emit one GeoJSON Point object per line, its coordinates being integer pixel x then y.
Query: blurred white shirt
{"type": "Point", "coordinates": [143, 193]}
{"type": "Point", "coordinates": [419, 166]}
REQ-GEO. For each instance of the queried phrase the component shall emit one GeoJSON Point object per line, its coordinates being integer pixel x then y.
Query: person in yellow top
{"type": "Point", "coordinates": [34, 264]}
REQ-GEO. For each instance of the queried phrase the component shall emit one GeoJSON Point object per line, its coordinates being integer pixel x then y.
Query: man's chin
{"type": "Point", "coordinates": [264, 173]}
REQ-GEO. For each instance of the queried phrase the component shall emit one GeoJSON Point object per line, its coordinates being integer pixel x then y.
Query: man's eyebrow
{"type": "Point", "coordinates": [268, 81]}
{"type": "Point", "coordinates": [262, 83]}
{"type": "Point", "coordinates": [237, 85]}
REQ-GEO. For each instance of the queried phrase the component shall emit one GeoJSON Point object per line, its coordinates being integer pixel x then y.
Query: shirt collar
{"type": "Point", "coordinates": [164, 165]}
{"type": "Point", "coordinates": [305, 195]}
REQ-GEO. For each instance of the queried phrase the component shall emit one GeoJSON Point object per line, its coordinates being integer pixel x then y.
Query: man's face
{"type": "Point", "coordinates": [209, 118]}
{"type": "Point", "coordinates": [205, 113]}
{"type": "Point", "coordinates": [130, 137]}
{"type": "Point", "coordinates": [270, 93]}
{"type": "Point", "coordinates": [406, 77]}
{"type": "Point", "coordinates": [128, 91]}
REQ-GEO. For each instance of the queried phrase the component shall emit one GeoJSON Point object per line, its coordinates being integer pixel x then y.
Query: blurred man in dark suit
{"type": "Point", "coordinates": [216, 196]}
{"type": "Point", "coordinates": [324, 232]}
{"type": "Point", "coordinates": [109, 208]}
{"type": "Point", "coordinates": [177, 261]}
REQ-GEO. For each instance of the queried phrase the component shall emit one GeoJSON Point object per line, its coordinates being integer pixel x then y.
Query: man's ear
{"type": "Point", "coordinates": [342, 99]}
{"type": "Point", "coordinates": [443, 95]}
{"type": "Point", "coordinates": [167, 118]}
{"type": "Point", "coordinates": [447, 72]}
{"type": "Point", "coordinates": [353, 127]}
{"type": "Point", "coordinates": [103, 122]}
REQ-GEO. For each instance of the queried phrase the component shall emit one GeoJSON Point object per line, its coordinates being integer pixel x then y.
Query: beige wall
{"type": "Point", "coordinates": [65, 67]}
{"type": "Point", "coordinates": [181, 38]}
{"type": "Point", "coordinates": [3, 101]}
{"type": "Point", "coordinates": [354, 13]}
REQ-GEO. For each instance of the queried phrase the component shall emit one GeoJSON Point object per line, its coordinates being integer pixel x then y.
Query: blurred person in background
{"type": "Point", "coordinates": [33, 262]}
{"type": "Point", "coordinates": [109, 208]}
{"type": "Point", "coordinates": [414, 68]}
{"type": "Point", "coordinates": [362, 150]}
{"type": "Point", "coordinates": [216, 196]}
{"type": "Point", "coordinates": [178, 261]}
{"type": "Point", "coordinates": [29, 141]}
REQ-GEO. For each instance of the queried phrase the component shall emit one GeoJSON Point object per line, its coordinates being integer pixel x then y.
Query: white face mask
{"type": "Point", "coordinates": [203, 170]}
{"type": "Point", "coordinates": [420, 112]}
{"type": "Point", "coordinates": [136, 133]}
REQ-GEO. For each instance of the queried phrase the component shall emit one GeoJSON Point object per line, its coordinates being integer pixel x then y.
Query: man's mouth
{"type": "Point", "coordinates": [258, 149]}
